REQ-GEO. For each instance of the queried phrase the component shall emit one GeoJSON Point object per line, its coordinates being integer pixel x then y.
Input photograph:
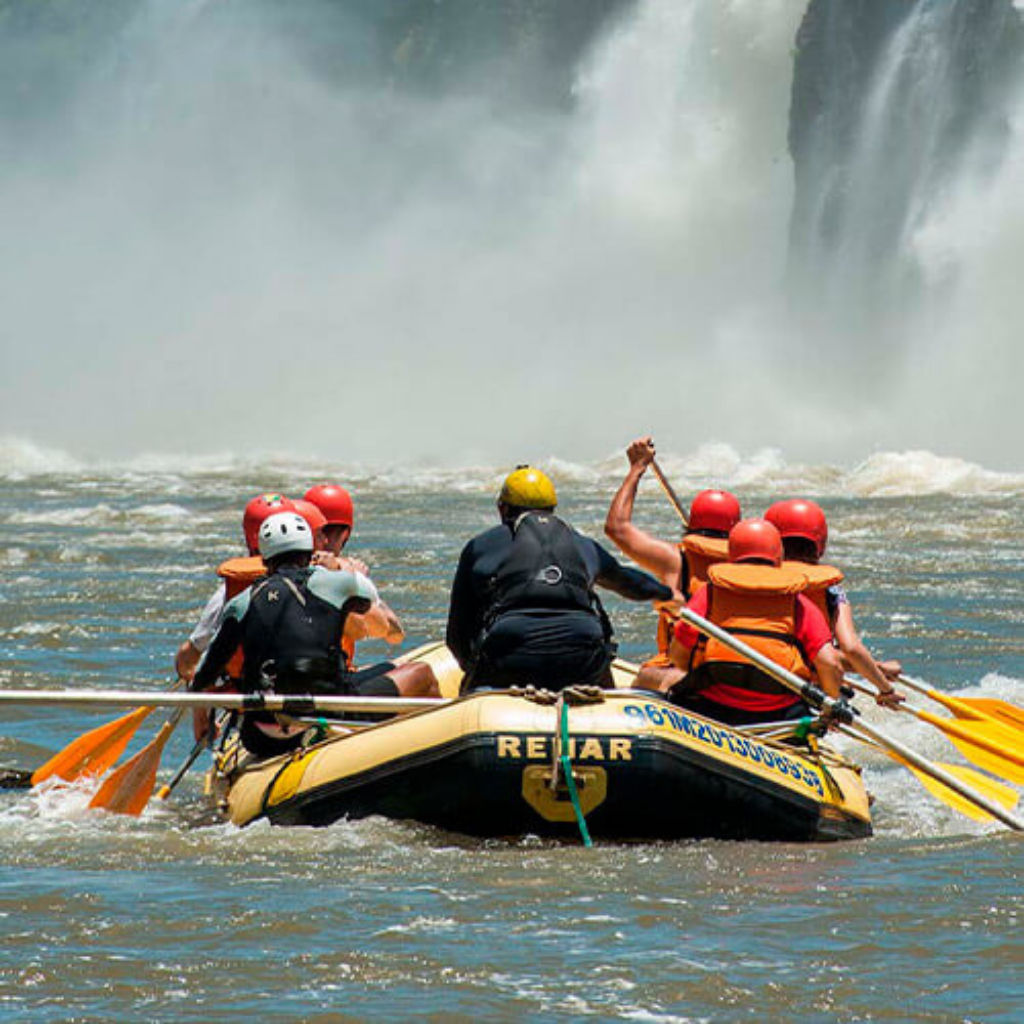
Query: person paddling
{"type": "Point", "coordinates": [680, 564]}
{"type": "Point", "coordinates": [288, 626]}
{"type": "Point", "coordinates": [523, 605]}
{"type": "Point", "coordinates": [761, 602]}
{"type": "Point", "coordinates": [804, 530]}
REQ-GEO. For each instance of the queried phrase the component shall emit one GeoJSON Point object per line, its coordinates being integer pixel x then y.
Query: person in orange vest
{"type": "Point", "coordinates": [682, 565]}
{"type": "Point", "coordinates": [804, 530]}
{"type": "Point", "coordinates": [379, 622]}
{"type": "Point", "coordinates": [760, 601]}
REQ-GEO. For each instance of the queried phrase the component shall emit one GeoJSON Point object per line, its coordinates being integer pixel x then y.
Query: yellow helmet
{"type": "Point", "coordinates": [528, 487]}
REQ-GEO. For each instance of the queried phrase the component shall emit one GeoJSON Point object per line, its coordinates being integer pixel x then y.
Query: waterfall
{"type": "Point", "coordinates": [926, 108]}
{"type": "Point", "coordinates": [317, 206]}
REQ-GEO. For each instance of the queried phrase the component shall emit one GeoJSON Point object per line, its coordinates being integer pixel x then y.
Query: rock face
{"type": "Point", "coordinates": [523, 49]}
{"type": "Point", "coordinates": [529, 46]}
{"type": "Point", "coordinates": [891, 101]}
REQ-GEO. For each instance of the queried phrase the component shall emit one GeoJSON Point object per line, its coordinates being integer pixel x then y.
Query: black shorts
{"type": "Point", "coordinates": [372, 681]}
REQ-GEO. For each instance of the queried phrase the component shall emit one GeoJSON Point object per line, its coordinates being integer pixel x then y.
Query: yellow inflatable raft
{"type": "Point", "coordinates": [491, 765]}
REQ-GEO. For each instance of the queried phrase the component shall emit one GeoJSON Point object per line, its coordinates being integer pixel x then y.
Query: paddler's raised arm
{"type": "Point", "coordinates": [659, 557]}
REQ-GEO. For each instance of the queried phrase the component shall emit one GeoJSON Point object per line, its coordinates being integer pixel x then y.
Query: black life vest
{"type": "Point", "coordinates": [544, 571]}
{"type": "Point", "coordinates": [291, 638]}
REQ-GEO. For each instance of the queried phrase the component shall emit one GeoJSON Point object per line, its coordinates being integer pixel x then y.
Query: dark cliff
{"type": "Point", "coordinates": [902, 92]}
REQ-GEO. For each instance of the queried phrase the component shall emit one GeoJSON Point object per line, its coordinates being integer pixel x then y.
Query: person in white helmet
{"type": "Point", "coordinates": [289, 626]}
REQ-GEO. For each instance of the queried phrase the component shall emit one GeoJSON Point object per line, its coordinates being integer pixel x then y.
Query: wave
{"type": "Point", "coordinates": [884, 474]}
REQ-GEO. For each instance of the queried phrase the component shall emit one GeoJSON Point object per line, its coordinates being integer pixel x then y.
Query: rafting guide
{"type": "Point", "coordinates": [524, 611]}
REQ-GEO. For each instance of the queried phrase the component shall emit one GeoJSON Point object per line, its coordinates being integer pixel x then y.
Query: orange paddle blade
{"type": "Point", "coordinates": [95, 751]}
{"type": "Point", "coordinates": [127, 789]}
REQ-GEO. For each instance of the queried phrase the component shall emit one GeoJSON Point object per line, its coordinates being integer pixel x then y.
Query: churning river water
{"type": "Point", "coordinates": [177, 916]}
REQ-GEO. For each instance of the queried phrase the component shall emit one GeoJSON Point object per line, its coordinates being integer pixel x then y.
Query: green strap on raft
{"type": "Point", "coordinates": [569, 780]}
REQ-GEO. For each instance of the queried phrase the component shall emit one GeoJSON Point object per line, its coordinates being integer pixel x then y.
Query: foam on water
{"type": "Point", "coordinates": [884, 474]}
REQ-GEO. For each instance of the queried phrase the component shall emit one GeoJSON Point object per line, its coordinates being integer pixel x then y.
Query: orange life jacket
{"type": "Point", "coordinates": [239, 574]}
{"type": "Point", "coordinates": [756, 604]}
{"type": "Point", "coordinates": [698, 554]}
{"type": "Point", "coordinates": [819, 579]}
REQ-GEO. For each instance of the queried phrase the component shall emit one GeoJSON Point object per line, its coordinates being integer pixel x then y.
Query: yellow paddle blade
{"type": "Point", "coordinates": [983, 757]}
{"type": "Point", "coordinates": [994, 747]}
{"type": "Point", "coordinates": [94, 752]}
{"type": "Point", "coordinates": [1000, 711]}
{"type": "Point", "coordinates": [982, 784]}
{"type": "Point", "coordinates": [128, 789]}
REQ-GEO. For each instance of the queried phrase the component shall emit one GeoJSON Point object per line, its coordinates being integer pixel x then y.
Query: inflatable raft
{"type": "Point", "coordinates": [491, 765]}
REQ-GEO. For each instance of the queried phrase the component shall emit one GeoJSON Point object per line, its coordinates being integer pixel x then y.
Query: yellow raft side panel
{"type": "Point", "coordinates": [603, 734]}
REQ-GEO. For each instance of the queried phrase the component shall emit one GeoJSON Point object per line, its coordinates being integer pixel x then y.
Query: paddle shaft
{"type": "Point", "coordinates": [165, 791]}
{"type": "Point", "coordinates": [670, 493]}
{"type": "Point", "coordinates": [840, 711]}
{"type": "Point", "coordinates": [204, 741]}
{"type": "Point", "coordinates": [300, 704]}
{"type": "Point", "coordinates": [955, 729]}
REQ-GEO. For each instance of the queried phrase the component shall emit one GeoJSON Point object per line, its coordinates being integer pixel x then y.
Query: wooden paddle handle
{"type": "Point", "coordinates": [670, 493]}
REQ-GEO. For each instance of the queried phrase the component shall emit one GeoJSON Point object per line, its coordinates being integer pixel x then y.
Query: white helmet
{"type": "Point", "coordinates": [284, 532]}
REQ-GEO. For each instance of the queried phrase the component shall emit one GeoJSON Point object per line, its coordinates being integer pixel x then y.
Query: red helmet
{"type": "Point", "coordinates": [256, 511]}
{"type": "Point", "coordinates": [755, 540]}
{"type": "Point", "coordinates": [800, 518]}
{"type": "Point", "coordinates": [335, 503]}
{"type": "Point", "coordinates": [316, 519]}
{"type": "Point", "coordinates": [714, 510]}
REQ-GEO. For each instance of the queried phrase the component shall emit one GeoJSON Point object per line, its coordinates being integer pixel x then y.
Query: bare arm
{"type": "Point", "coordinates": [186, 660]}
{"type": "Point", "coordinates": [658, 557]}
{"type": "Point", "coordinates": [855, 657]}
{"type": "Point", "coordinates": [379, 623]}
{"type": "Point", "coordinates": [829, 670]}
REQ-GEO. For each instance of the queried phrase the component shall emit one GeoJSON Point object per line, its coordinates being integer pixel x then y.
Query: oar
{"type": "Point", "coordinates": [989, 745]}
{"type": "Point", "coordinates": [127, 789]}
{"type": "Point", "coordinates": [92, 753]}
{"type": "Point", "coordinates": [989, 787]}
{"type": "Point", "coordinates": [165, 790]}
{"type": "Point", "coordinates": [842, 713]}
{"type": "Point", "coordinates": [204, 741]}
{"type": "Point", "coordinates": [985, 784]}
{"type": "Point", "coordinates": [300, 704]}
{"type": "Point", "coordinates": [670, 493]}
{"type": "Point", "coordinates": [998, 711]}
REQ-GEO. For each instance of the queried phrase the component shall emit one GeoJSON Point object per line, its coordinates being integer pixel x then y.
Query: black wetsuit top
{"type": "Point", "coordinates": [289, 625]}
{"type": "Point", "coordinates": [546, 646]}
